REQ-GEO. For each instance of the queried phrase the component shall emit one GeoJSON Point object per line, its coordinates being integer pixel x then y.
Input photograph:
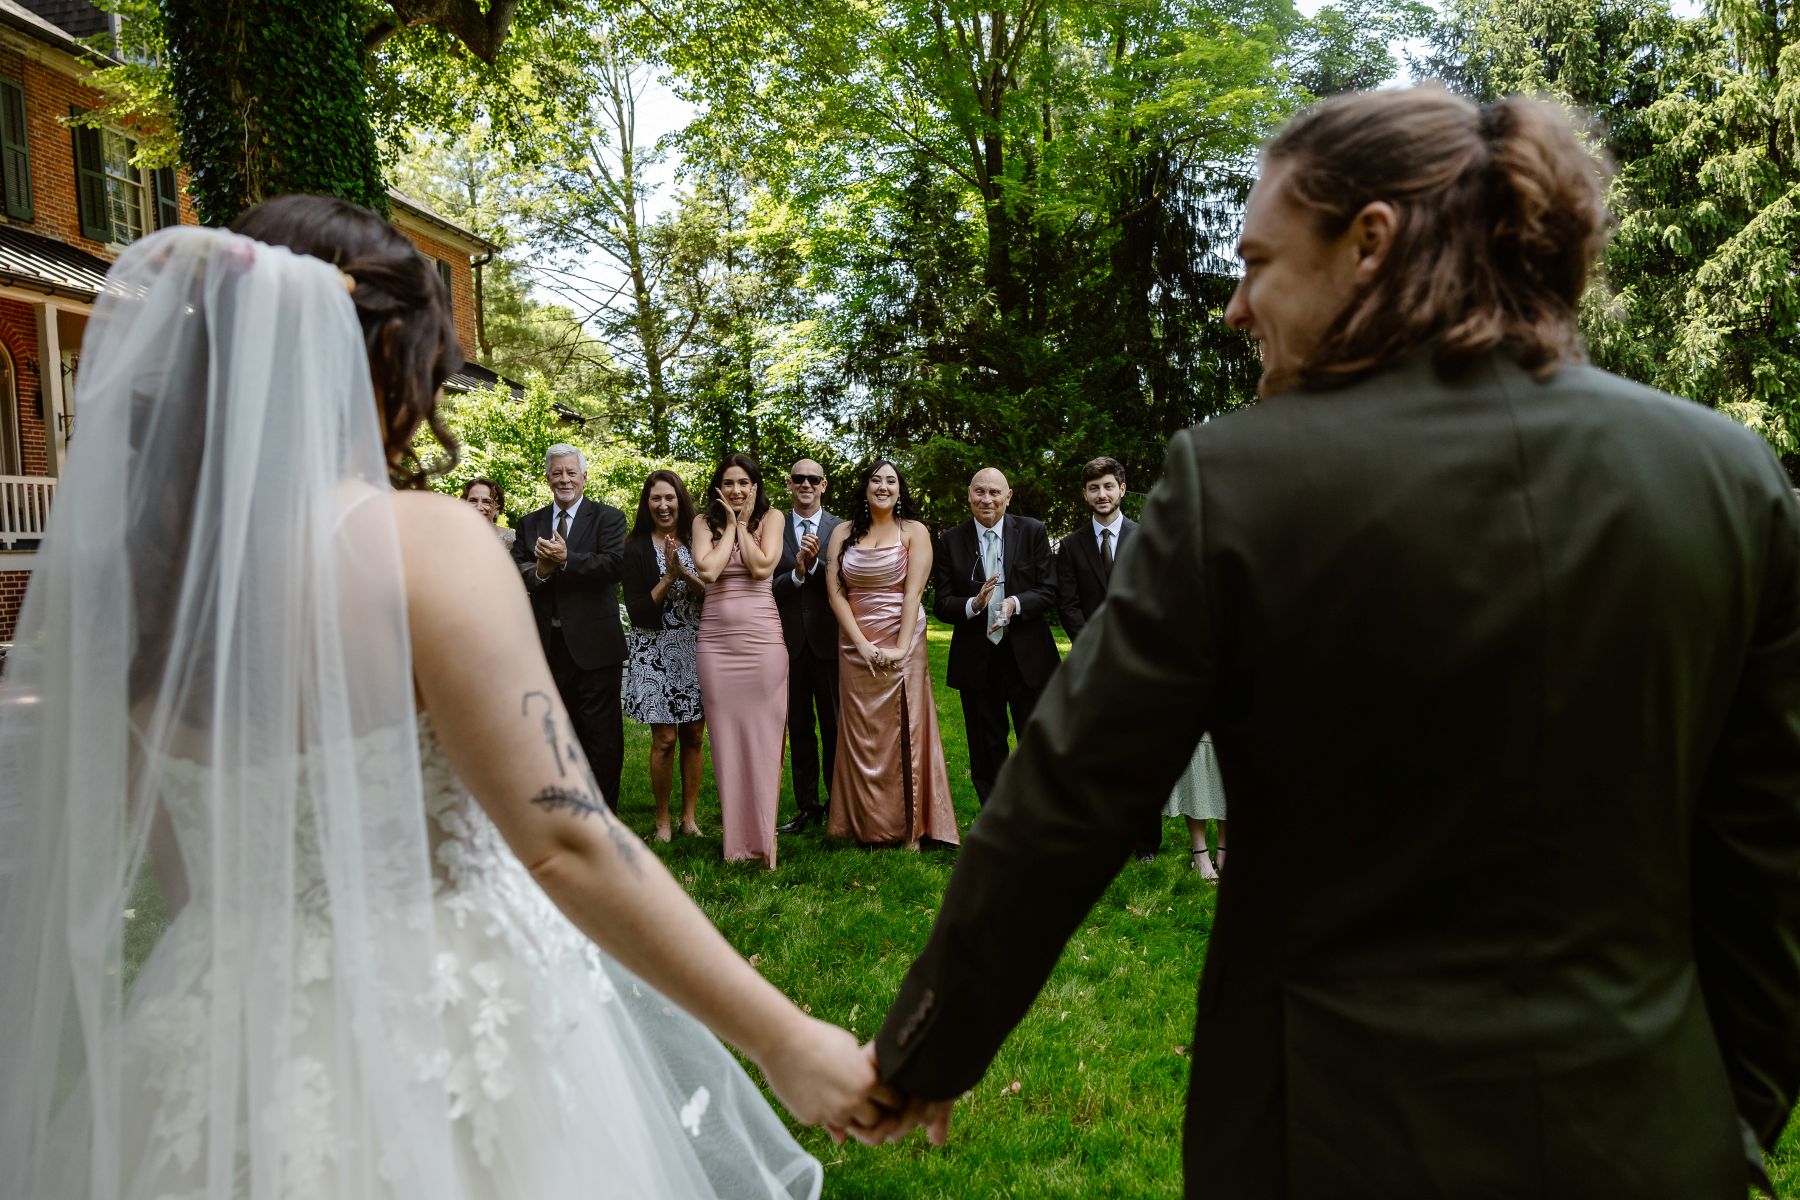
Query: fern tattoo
{"type": "Point", "coordinates": [583, 802]}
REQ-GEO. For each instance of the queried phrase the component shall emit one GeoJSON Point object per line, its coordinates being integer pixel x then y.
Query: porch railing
{"type": "Point", "coordinates": [24, 509]}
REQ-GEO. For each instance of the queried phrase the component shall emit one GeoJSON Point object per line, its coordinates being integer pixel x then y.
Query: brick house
{"type": "Point", "coordinates": [70, 201]}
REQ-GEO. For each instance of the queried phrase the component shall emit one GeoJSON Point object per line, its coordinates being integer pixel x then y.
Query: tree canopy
{"type": "Point", "coordinates": [957, 233]}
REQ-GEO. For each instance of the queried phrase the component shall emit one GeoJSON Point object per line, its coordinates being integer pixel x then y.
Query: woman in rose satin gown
{"type": "Point", "coordinates": [889, 784]}
{"type": "Point", "coordinates": [743, 660]}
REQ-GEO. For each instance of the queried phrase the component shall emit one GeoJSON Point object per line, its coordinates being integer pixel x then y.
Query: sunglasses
{"type": "Point", "coordinates": [815, 480]}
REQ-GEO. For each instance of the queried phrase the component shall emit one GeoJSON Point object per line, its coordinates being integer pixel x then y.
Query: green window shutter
{"type": "Point", "coordinates": [168, 197]}
{"type": "Point", "coordinates": [449, 292]}
{"type": "Point", "coordinates": [90, 183]}
{"type": "Point", "coordinates": [15, 152]}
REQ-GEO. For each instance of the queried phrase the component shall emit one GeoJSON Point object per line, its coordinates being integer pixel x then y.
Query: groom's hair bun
{"type": "Point", "coordinates": [1500, 215]}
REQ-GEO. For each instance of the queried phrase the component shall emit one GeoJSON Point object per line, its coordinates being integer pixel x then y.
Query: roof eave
{"type": "Point", "coordinates": [420, 213]}
{"type": "Point", "coordinates": [56, 37]}
{"type": "Point", "coordinates": [36, 283]}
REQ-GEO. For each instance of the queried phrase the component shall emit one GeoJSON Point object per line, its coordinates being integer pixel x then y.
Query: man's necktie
{"type": "Point", "coordinates": [562, 531]}
{"type": "Point", "coordinates": [1106, 553]}
{"type": "Point", "coordinates": [996, 607]}
{"type": "Point", "coordinates": [806, 528]}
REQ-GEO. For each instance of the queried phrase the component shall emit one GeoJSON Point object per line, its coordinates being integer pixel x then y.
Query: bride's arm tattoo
{"type": "Point", "coordinates": [584, 799]}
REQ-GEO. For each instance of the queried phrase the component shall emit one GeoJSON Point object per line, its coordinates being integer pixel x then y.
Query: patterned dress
{"type": "Point", "coordinates": [662, 686]}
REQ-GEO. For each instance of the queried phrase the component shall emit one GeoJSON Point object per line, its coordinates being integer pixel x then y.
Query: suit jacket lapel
{"type": "Point", "coordinates": [790, 542]}
{"type": "Point", "coordinates": [585, 516]}
{"type": "Point", "coordinates": [1090, 554]}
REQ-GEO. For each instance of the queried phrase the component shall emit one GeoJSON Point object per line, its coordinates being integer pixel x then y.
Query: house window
{"type": "Point", "coordinates": [117, 202]}
{"type": "Point", "coordinates": [443, 269]}
{"type": "Point", "coordinates": [15, 153]}
{"type": "Point", "coordinates": [124, 187]}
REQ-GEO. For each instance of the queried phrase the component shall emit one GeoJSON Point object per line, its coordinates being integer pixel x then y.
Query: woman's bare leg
{"type": "Point", "coordinates": [662, 768]}
{"type": "Point", "coordinates": [693, 743]}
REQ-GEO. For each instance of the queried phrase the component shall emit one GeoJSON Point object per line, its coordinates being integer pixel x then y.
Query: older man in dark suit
{"type": "Point", "coordinates": [994, 583]}
{"type": "Point", "coordinates": [570, 554]}
{"type": "Point", "coordinates": [1520, 636]}
{"type": "Point", "coordinates": [810, 629]}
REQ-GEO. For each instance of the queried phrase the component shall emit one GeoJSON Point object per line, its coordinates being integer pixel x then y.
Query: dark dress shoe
{"type": "Point", "coordinates": [806, 816]}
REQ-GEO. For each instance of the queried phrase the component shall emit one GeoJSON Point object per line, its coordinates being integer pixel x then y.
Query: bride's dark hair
{"type": "Point", "coordinates": [862, 516]}
{"type": "Point", "coordinates": [401, 302]}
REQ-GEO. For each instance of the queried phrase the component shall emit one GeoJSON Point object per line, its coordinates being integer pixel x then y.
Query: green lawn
{"type": "Point", "coordinates": [1101, 1062]}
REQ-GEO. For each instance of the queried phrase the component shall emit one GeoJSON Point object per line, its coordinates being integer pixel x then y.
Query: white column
{"type": "Point", "coordinates": [50, 380]}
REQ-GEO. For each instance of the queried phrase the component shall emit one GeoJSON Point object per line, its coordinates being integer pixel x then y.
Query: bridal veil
{"type": "Point", "coordinates": [215, 621]}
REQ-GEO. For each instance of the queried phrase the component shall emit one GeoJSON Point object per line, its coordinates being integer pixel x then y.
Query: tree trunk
{"type": "Point", "coordinates": [271, 98]}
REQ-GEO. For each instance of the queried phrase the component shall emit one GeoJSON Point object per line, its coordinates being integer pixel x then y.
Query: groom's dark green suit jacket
{"type": "Point", "coordinates": [1504, 679]}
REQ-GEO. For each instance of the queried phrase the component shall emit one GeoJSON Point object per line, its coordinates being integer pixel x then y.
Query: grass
{"type": "Point", "coordinates": [1099, 1065]}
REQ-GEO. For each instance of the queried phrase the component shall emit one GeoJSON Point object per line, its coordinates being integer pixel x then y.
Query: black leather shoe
{"type": "Point", "coordinates": [806, 816]}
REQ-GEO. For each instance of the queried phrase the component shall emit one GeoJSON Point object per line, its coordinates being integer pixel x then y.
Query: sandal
{"type": "Point", "coordinates": [1199, 860]}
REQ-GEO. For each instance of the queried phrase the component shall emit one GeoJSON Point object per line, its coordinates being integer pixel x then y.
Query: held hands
{"type": "Point", "coordinates": [824, 1078]}
{"type": "Point", "coordinates": [897, 1122]}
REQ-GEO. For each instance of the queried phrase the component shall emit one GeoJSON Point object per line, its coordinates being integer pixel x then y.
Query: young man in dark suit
{"type": "Point", "coordinates": [1086, 558]}
{"type": "Point", "coordinates": [1517, 639]}
{"type": "Point", "coordinates": [995, 584]}
{"type": "Point", "coordinates": [1084, 568]}
{"type": "Point", "coordinates": [570, 554]}
{"type": "Point", "coordinates": [810, 629]}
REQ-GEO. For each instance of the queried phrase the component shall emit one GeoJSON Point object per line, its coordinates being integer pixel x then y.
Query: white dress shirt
{"type": "Point", "coordinates": [1011, 602]}
{"type": "Point", "coordinates": [796, 520]}
{"type": "Point", "coordinates": [1117, 527]}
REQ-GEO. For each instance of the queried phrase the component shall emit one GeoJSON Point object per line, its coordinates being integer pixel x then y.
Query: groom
{"type": "Point", "coordinates": [1515, 640]}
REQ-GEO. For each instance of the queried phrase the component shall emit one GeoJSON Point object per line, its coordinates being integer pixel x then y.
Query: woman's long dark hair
{"type": "Point", "coordinates": [862, 516]}
{"type": "Point", "coordinates": [401, 302]}
{"type": "Point", "coordinates": [643, 525]}
{"type": "Point", "coordinates": [716, 514]}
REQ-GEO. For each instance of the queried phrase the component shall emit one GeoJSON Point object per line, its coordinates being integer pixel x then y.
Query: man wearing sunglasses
{"type": "Point", "coordinates": [810, 630]}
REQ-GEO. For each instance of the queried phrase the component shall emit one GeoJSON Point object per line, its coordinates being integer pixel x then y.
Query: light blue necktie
{"type": "Point", "coordinates": [996, 607]}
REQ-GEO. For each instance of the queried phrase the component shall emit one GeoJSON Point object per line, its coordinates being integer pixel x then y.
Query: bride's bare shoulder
{"type": "Point", "coordinates": [436, 528]}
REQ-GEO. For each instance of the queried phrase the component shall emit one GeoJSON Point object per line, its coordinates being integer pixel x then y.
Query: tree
{"type": "Point", "coordinates": [305, 95]}
{"type": "Point", "coordinates": [505, 438]}
{"type": "Point", "coordinates": [484, 185]}
{"type": "Point", "coordinates": [618, 268]}
{"type": "Point", "coordinates": [258, 118]}
{"type": "Point", "coordinates": [1697, 294]}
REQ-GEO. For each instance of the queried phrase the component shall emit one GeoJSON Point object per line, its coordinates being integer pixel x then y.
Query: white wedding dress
{"type": "Point", "coordinates": [361, 993]}
{"type": "Point", "coordinates": [556, 1065]}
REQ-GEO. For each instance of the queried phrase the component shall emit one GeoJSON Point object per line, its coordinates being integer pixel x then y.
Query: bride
{"type": "Point", "coordinates": [411, 953]}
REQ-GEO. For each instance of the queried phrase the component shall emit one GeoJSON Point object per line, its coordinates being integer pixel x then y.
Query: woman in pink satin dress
{"type": "Point", "coordinates": [743, 661]}
{"type": "Point", "coordinates": [889, 784]}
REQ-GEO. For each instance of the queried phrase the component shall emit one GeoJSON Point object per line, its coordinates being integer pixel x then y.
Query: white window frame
{"type": "Point", "coordinates": [146, 188]}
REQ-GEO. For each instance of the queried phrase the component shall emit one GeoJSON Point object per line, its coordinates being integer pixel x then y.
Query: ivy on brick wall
{"type": "Point", "coordinates": [271, 98]}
